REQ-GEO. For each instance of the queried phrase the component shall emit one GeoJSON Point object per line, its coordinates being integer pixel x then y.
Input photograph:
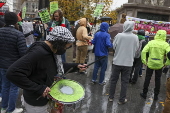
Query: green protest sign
{"type": "Point", "coordinates": [44, 15]}
{"type": "Point", "coordinates": [98, 9]}
{"type": "Point", "coordinates": [24, 9]}
{"type": "Point", "coordinates": [53, 6]}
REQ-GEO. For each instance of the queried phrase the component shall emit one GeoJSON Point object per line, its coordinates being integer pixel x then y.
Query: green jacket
{"type": "Point", "coordinates": [157, 49]}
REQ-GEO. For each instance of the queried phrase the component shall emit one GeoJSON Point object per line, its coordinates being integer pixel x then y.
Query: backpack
{"type": "Point", "coordinates": [138, 52]}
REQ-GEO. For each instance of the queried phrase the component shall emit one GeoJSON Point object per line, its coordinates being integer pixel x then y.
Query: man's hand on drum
{"type": "Point", "coordinates": [46, 92]}
{"type": "Point", "coordinates": [82, 67]}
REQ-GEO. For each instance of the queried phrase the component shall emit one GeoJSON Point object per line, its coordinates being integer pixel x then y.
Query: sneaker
{"type": "Point", "coordinates": [122, 102]}
{"type": "Point", "coordinates": [110, 99]}
{"type": "Point", "coordinates": [93, 82]}
{"type": "Point", "coordinates": [3, 110]}
{"type": "Point", "coordinates": [103, 83]}
{"type": "Point", "coordinates": [143, 95]}
{"type": "Point", "coordinates": [0, 99]}
{"type": "Point", "coordinates": [17, 110]}
{"type": "Point", "coordinates": [140, 75]}
{"type": "Point", "coordinates": [83, 72]}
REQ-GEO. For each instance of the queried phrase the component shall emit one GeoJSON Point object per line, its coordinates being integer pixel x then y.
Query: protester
{"type": "Point", "coordinates": [58, 20]}
{"type": "Point", "coordinates": [147, 36]}
{"type": "Point", "coordinates": [137, 60]}
{"type": "Point", "coordinates": [101, 42]}
{"type": "Point", "coordinates": [2, 24]}
{"type": "Point", "coordinates": [167, 101]}
{"type": "Point", "coordinates": [82, 41]}
{"type": "Point", "coordinates": [157, 49]}
{"type": "Point", "coordinates": [74, 30]}
{"type": "Point", "coordinates": [38, 30]}
{"type": "Point", "coordinates": [35, 71]}
{"type": "Point", "coordinates": [13, 46]}
{"type": "Point", "coordinates": [125, 45]}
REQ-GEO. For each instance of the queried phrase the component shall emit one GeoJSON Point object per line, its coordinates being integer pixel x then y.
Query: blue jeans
{"type": "Point", "coordinates": [63, 57]}
{"type": "Point", "coordinates": [9, 93]}
{"type": "Point", "coordinates": [103, 64]}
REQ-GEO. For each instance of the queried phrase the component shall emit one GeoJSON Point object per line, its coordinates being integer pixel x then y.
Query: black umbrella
{"type": "Point", "coordinates": [27, 19]}
{"type": "Point", "coordinates": [37, 18]}
{"type": "Point", "coordinates": [105, 18]}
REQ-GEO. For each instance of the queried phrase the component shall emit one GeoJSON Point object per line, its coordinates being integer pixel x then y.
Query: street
{"type": "Point", "coordinates": [96, 96]}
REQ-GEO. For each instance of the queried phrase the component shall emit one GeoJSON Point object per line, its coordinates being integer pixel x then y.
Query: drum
{"type": "Point", "coordinates": [66, 93]}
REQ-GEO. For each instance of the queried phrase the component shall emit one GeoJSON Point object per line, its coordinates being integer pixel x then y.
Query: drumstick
{"type": "Point", "coordinates": [95, 61]}
{"type": "Point", "coordinates": [72, 68]}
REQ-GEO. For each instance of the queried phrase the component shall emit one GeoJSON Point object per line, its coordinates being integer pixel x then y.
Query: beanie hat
{"type": "Point", "coordinates": [141, 32]}
{"type": "Point", "coordinates": [60, 33]}
{"type": "Point", "coordinates": [2, 24]}
{"type": "Point", "coordinates": [10, 18]}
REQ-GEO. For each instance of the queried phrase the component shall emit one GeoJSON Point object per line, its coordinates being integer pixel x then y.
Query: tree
{"type": "Point", "coordinates": [75, 9]}
{"type": "Point", "coordinates": [71, 9]}
{"type": "Point", "coordinates": [113, 15]}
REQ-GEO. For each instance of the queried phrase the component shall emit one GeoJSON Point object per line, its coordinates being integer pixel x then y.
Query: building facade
{"type": "Point", "coordinates": [31, 8]}
{"type": "Point", "coordinates": [158, 10]}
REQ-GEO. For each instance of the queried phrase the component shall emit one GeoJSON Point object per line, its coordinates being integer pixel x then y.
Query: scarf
{"type": "Point", "coordinates": [59, 64]}
{"type": "Point", "coordinates": [58, 57]}
{"type": "Point", "coordinates": [56, 23]}
{"type": "Point", "coordinates": [141, 37]}
{"type": "Point", "coordinates": [60, 33]}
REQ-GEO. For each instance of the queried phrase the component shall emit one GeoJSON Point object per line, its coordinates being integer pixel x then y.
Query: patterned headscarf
{"type": "Point", "coordinates": [60, 33]}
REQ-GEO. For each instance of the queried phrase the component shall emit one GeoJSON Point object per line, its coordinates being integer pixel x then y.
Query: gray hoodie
{"type": "Point", "coordinates": [125, 45]}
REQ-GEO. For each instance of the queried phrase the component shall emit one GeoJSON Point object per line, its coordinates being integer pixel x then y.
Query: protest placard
{"type": "Point", "coordinates": [98, 9]}
{"type": "Point", "coordinates": [24, 12]}
{"type": "Point", "coordinates": [44, 15]}
{"type": "Point", "coordinates": [53, 6]}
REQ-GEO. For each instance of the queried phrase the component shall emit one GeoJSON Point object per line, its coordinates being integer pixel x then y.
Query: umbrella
{"type": "Point", "coordinates": [105, 18]}
{"type": "Point", "coordinates": [115, 29]}
{"type": "Point", "coordinates": [27, 19]}
{"type": "Point", "coordinates": [37, 18]}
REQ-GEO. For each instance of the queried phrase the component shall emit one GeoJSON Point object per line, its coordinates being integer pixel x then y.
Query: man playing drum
{"type": "Point", "coordinates": [35, 71]}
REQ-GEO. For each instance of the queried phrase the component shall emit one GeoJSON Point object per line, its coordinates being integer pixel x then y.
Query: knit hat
{"type": "Point", "coordinates": [60, 33]}
{"type": "Point", "coordinates": [2, 24]}
{"type": "Point", "coordinates": [141, 32]}
{"type": "Point", "coordinates": [10, 18]}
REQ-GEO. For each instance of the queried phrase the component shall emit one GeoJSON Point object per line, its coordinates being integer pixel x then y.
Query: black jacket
{"type": "Point", "coordinates": [12, 46]}
{"type": "Point", "coordinates": [34, 72]}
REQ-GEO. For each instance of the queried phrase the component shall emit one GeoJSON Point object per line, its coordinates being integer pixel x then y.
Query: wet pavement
{"type": "Point", "coordinates": [96, 96]}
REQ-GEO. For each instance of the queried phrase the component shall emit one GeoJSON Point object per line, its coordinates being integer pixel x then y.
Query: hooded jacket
{"type": "Point", "coordinates": [35, 71]}
{"type": "Point", "coordinates": [125, 45]}
{"type": "Point", "coordinates": [102, 41]}
{"type": "Point", "coordinates": [81, 34]}
{"type": "Point", "coordinates": [157, 49]}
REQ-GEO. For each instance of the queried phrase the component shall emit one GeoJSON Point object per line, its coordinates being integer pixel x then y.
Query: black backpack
{"type": "Point", "coordinates": [138, 52]}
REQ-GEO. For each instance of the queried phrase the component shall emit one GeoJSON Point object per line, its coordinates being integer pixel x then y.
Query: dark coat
{"type": "Point", "coordinates": [12, 46]}
{"type": "Point", "coordinates": [35, 71]}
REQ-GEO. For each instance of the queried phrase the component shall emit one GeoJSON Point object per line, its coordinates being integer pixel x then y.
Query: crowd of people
{"type": "Point", "coordinates": [32, 65]}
